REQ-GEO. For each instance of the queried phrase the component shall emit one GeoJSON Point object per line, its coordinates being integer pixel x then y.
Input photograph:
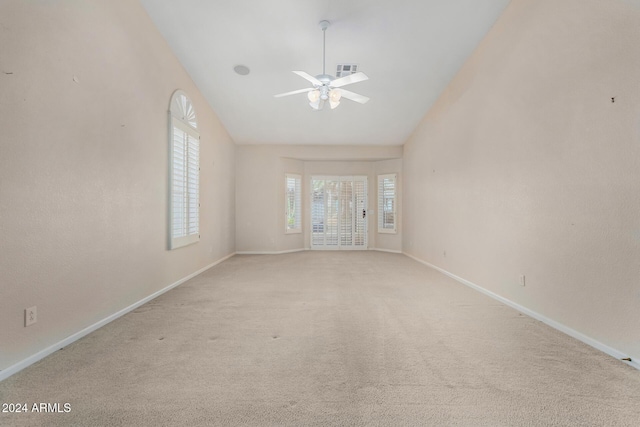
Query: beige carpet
{"type": "Point", "coordinates": [326, 338]}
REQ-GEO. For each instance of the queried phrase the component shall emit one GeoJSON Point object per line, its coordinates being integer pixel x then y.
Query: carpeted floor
{"type": "Point", "coordinates": [326, 338]}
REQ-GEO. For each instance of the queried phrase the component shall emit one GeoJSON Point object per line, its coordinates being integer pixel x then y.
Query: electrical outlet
{"type": "Point", "coordinates": [522, 280]}
{"type": "Point", "coordinates": [30, 316]}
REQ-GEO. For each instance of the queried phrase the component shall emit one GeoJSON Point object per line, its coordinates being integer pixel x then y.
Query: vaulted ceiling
{"type": "Point", "coordinates": [410, 49]}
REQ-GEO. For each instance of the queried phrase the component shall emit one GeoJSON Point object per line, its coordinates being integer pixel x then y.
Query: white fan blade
{"type": "Point", "coordinates": [354, 96]}
{"type": "Point", "coordinates": [293, 92]}
{"type": "Point", "coordinates": [347, 80]}
{"type": "Point", "coordinates": [309, 77]}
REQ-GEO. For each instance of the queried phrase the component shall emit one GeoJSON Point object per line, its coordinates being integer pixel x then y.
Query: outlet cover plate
{"type": "Point", "coordinates": [30, 316]}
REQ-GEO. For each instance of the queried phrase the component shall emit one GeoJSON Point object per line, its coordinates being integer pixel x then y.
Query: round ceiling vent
{"type": "Point", "coordinates": [243, 70]}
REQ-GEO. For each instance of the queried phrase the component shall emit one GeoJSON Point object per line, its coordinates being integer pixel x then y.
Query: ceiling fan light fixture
{"type": "Point", "coordinates": [315, 104]}
{"type": "Point", "coordinates": [335, 95]}
{"type": "Point", "coordinates": [313, 96]}
{"type": "Point", "coordinates": [333, 104]}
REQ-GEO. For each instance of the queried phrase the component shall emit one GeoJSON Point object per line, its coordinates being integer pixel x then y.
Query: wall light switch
{"type": "Point", "coordinates": [522, 280]}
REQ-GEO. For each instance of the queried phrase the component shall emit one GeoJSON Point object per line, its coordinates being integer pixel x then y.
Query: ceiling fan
{"type": "Point", "coordinates": [326, 87]}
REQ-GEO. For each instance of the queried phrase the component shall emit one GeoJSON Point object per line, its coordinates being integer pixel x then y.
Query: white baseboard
{"type": "Point", "coordinates": [6, 373]}
{"type": "Point", "coordinates": [269, 252]}
{"type": "Point", "coordinates": [391, 251]}
{"type": "Point", "coordinates": [556, 325]}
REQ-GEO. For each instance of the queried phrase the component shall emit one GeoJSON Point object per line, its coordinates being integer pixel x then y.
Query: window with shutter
{"type": "Point", "coordinates": [184, 167]}
{"type": "Point", "coordinates": [387, 203]}
{"type": "Point", "coordinates": [293, 203]}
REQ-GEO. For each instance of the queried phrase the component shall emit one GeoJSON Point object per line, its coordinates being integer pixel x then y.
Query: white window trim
{"type": "Point", "coordinates": [381, 229]}
{"type": "Point", "coordinates": [178, 119]}
{"type": "Point", "coordinates": [298, 202]}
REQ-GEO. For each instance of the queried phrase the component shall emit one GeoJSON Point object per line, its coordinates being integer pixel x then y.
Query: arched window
{"type": "Point", "coordinates": [184, 167]}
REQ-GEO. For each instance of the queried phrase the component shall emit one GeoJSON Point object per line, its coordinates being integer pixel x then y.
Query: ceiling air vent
{"type": "Point", "coordinates": [346, 69]}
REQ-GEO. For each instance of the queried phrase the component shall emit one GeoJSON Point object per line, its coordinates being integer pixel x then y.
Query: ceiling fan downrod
{"type": "Point", "coordinates": [324, 25]}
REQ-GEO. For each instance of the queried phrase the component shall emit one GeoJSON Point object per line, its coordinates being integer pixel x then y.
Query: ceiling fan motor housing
{"type": "Point", "coordinates": [325, 78]}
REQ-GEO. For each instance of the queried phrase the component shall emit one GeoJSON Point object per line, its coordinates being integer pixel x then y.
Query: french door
{"type": "Point", "coordinates": [338, 212]}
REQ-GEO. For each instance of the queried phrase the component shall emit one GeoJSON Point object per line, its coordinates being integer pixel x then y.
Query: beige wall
{"type": "Point", "coordinates": [84, 168]}
{"type": "Point", "coordinates": [526, 166]}
{"type": "Point", "coordinates": [260, 171]}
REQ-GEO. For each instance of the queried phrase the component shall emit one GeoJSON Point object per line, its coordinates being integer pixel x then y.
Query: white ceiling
{"type": "Point", "coordinates": [410, 49]}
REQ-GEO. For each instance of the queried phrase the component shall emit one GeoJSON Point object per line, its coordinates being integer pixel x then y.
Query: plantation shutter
{"type": "Point", "coordinates": [178, 186]}
{"type": "Point", "coordinates": [317, 212]}
{"type": "Point", "coordinates": [387, 203]}
{"type": "Point", "coordinates": [347, 211]}
{"type": "Point", "coordinates": [360, 214]}
{"type": "Point", "coordinates": [331, 231]}
{"type": "Point", "coordinates": [338, 212]}
{"type": "Point", "coordinates": [293, 203]}
{"type": "Point", "coordinates": [184, 171]}
{"type": "Point", "coordinates": [193, 185]}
